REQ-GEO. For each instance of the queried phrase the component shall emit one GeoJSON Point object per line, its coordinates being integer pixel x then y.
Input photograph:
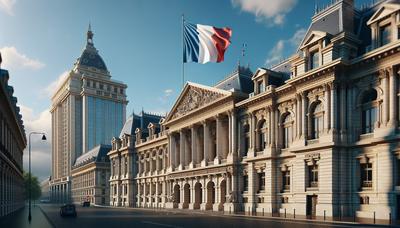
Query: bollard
{"type": "Point", "coordinates": [390, 218]}
{"type": "Point", "coordinates": [354, 217]}
{"type": "Point", "coordinates": [285, 212]}
{"type": "Point", "coordinates": [324, 215]}
{"type": "Point", "coordinates": [374, 217]}
{"type": "Point", "coordinates": [294, 213]}
{"type": "Point", "coordinates": [229, 210]}
{"type": "Point", "coordinates": [249, 210]}
{"type": "Point", "coordinates": [263, 211]}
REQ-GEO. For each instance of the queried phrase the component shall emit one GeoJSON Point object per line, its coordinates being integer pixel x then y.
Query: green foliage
{"type": "Point", "coordinates": [36, 190]}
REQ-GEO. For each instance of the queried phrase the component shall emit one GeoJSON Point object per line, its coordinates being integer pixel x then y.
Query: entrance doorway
{"type": "Point", "coordinates": [311, 206]}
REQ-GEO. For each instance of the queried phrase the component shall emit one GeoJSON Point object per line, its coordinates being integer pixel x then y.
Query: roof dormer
{"type": "Point", "coordinates": [384, 24]}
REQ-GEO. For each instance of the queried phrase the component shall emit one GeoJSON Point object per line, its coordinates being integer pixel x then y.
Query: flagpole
{"type": "Point", "coordinates": [183, 50]}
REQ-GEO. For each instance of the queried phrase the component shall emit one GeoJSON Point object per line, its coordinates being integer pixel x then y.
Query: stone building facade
{"type": "Point", "coordinates": [90, 175]}
{"type": "Point", "coordinates": [123, 156]}
{"type": "Point", "coordinates": [12, 144]}
{"type": "Point", "coordinates": [317, 135]}
{"type": "Point", "coordinates": [88, 109]}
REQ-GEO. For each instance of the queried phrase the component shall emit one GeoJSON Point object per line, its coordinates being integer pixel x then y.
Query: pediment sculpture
{"type": "Point", "coordinates": [194, 99]}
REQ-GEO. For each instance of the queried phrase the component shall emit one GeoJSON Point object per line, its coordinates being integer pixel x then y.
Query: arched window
{"type": "Point", "coordinates": [246, 134]}
{"type": "Point", "coordinates": [317, 120]}
{"type": "Point", "coordinates": [287, 123]}
{"type": "Point", "coordinates": [262, 135]}
{"type": "Point", "coordinates": [369, 111]}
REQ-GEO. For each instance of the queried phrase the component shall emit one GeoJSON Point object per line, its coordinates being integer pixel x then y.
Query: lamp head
{"type": "Point", "coordinates": [44, 137]}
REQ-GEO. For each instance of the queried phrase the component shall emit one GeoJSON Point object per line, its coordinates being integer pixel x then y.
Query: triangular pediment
{"type": "Point", "coordinates": [259, 72]}
{"type": "Point", "coordinates": [193, 97]}
{"type": "Point", "coordinates": [312, 37]}
{"type": "Point", "coordinates": [384, 11]}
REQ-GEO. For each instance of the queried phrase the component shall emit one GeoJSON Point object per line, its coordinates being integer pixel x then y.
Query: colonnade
{"type": "Point", "coordinates": [209, 142]}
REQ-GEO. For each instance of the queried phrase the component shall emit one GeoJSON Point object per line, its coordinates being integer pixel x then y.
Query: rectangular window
{"type": "Point", "coordinates": [261, 181]}
{"type": "Point", "coordinates": [245, 183]}
{"type": "Point", "coordinates": [246, 144]}
{"type": "Point", "coordinates": [286, 180]}
{"type": "Point", "coordinates": [313, 176]}
{"type": "Point", "coordinates": [385, 33]}
{"type": "Point", "coordinates": [369, 118]}
{"type": "Point", "coordinates": [314, 60]}
{"type": "Point", "coordinates": [366, 175]}
{"type": "Point", "coordinates": [260, 86]}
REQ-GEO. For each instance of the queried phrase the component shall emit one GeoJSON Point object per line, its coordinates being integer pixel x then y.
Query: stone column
{"type": "Point", "coordinates": [304, 113]}
{"type": "Point", "coordinates": [219, 140]}
{"type": "Point", "coordinates": [295, 133]}
{"type": "Point", "coordinates": [206, 144]}
{"type": "Point", "coordinates": [333, 108]}
{"type": "Point", "coordinates": [252, 136]}
{"type": "Point", "coordinates": [326, 108]}
{"type": "Point", "coordinates": [392, 97]}
{"type": "Point", "coordinates": [385, 102]}
{"type": "Point", "coordinates": [182, 149]}
{"type": "Point", "coordinates": [229, 133]}
{"type": "Point", "coordinates": [194, 146]}
{"type": "Point", "coordinates": [234, 130]}
{"type": "Point", "coordinates": [343, 111]}
{"type": "Point", "coordinates": [171, 142]}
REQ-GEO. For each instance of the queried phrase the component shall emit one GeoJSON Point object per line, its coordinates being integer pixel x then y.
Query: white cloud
{"type": "Point", "coordinates": [12, 59]}
{"type": "Point", "coordinates": [271, 11]}
{"type": "Point", "coordinates": [53, 86]}
{"type": "Point", "coordinates": [7, 6]}
{"type": "Point", "coordinates": [168, 92]}
{"type": "Point", "coordinates": [277, 52]}
{"type": "Point", "coordinates": [41, 150]}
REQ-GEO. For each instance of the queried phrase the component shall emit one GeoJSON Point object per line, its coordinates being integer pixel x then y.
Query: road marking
{"type": "Point", "coordinates": [160, 224]}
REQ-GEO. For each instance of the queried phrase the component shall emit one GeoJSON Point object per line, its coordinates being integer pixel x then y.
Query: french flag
{"type": "Point", "coordinates": [204, 43]}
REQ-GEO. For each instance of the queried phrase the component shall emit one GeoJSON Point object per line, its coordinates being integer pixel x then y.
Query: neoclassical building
{"type": "Point", "coordinates": [314, 136]}
{"type": "Point", "coordinates": [12, 144]}
{"type": "Point", "coordinates": [90, 175]}
{"type": "Point", "coordinates": [88, 109]}
{"type": "Point", "coordinates": [123, 155]}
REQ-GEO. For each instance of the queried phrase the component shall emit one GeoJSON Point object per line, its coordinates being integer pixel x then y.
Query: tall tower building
{"type": "Point", "coordinates": [87, 109]}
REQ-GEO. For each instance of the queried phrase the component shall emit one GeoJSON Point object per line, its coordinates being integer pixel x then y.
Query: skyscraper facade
{"type": "Point", "coordinates": [88, 109]}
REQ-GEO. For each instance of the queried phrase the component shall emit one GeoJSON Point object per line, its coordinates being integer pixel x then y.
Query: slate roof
{"type": "Point", "coordinates": [9, 92]}
{"type": "Point", "coordinates": [140, 121]}
{"type": "Point", "coordinates": [238, 80]}
{"type": "Point", "coordinates": [91, 58]}
{"type": "Point", "coordinates": [97, 154]}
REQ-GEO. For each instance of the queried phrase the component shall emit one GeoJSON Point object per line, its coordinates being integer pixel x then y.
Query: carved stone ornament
{"type": "Point", "coordinates": [194, 99]}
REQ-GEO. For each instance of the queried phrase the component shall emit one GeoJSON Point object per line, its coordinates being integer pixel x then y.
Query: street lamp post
{"type": "Point", "coordinates": [30, 175]}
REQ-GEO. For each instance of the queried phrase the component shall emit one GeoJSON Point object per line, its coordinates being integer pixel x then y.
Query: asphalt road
{"type": "Point", "coordinates": [121, 217]}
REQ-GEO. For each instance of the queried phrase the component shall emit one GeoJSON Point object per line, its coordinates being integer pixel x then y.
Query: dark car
{"type": "Point", "coordinates": [86, 204]}
{"type": "Point", "coordinates": [68, 210]}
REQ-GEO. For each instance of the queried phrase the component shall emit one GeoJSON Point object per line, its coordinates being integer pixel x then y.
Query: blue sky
{"type": "Point", "coordinates": [140, 42]}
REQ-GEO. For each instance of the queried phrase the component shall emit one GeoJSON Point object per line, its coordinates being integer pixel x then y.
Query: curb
{"type": "Point", "coordinates": [46, 216]}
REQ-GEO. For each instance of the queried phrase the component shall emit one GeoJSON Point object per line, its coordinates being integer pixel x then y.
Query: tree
{"type": "Point", "coordinates": [35, 186]}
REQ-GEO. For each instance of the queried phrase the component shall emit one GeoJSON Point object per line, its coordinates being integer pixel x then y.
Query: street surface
{"type": "Point", "coordinates": [122, 217]}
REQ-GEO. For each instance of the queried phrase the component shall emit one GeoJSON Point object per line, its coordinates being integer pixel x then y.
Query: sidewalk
{"type": "Point", "coordinates": [19, 219]}
{"type": "Point", "coordinates": [222, 214]}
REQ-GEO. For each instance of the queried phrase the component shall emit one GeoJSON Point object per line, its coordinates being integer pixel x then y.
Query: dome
{"type": "Point", "coordinates": [90, 56]}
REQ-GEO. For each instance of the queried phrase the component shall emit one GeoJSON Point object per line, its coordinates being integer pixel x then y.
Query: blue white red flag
{"type": "Point", "coordinates": [204, 43]}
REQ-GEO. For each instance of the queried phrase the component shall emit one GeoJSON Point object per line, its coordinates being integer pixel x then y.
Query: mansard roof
{"type": "Point", "coordinates": [140, 121]}
{"type": "Point", "coordinates": [97, 154]}
{"type": "Point", "coordinates": [238, 80]}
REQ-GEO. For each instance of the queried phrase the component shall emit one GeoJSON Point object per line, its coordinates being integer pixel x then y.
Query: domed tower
{"type": "Point", "coordinates": [88, 109]}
